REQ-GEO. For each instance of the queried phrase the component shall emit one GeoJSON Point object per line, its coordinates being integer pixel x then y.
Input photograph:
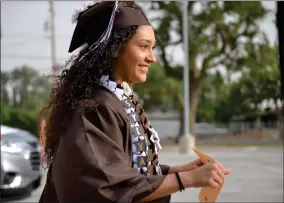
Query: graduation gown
{"type": "Point", "coordinates": [93, 161]}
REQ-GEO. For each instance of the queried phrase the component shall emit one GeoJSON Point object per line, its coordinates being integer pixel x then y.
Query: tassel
{"type": "Point", "coordinates": [105, 36]}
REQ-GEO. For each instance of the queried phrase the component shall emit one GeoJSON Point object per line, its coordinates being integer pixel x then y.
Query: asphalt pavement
{"type": "Point", "coordinates": [257, 174]}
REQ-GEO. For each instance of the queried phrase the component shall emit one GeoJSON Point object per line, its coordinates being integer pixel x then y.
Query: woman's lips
{"type": "Point", "coordinates": [143, 68]}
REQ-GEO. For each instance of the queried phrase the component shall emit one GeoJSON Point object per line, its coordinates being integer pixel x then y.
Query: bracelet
{"type": "Point", "coordinates": [181, 187]}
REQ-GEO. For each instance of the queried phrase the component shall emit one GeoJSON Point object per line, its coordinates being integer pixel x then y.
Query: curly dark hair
{"type": "Point", "coordinates": [73, 88]}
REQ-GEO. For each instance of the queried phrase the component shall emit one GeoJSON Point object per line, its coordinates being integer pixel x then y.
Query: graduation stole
{"type": "Point", "coordinates": [145, 139]}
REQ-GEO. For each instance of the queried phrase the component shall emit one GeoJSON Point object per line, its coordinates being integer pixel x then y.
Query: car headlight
{"type": "Point", "coordinates": [10, 147]}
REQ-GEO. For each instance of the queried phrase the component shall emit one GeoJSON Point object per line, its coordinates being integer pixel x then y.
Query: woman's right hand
{"type": "Point", "coordinates": [208, 175]}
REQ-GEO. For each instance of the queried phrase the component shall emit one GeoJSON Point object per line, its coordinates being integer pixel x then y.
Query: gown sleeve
{"type": "Point", "coordinates": [48, 194]}
{"type": "Point", "coordinates": [102, 169]}
{"type": "Point", "coordinates": [165, 169]}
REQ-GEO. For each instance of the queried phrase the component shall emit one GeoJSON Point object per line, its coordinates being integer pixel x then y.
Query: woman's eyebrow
{"type": "Point", "coordinates": [147, 40]}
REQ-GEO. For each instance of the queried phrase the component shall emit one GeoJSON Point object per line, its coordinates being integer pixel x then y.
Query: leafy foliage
{"type": "Point", "coordinates": [221, 35]}
{"type": "Point", "coordinates": [23, 93]}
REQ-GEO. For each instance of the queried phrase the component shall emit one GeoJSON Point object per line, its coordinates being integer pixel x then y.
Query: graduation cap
{"type": "Point", "coordinates": [95, 24]}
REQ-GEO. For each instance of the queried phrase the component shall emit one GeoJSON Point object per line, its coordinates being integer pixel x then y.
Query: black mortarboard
{"type": "Point", "coordinates": [95, 24]}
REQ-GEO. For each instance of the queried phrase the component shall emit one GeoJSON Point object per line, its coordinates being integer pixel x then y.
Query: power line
{"type": "Point", "coordinates": [32, 57]}
{"type": "Point", "coordinates": [20, 36]}
{"type": "Point", "coordinates": [21, 43]}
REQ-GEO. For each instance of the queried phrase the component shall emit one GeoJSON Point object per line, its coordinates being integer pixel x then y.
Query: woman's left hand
{"type": "Point", "coordinates": [187, 167]}
{"type": "Point", "coordinates": [197, 163]}
{"type": "Point", "coordinates": [192, 165]}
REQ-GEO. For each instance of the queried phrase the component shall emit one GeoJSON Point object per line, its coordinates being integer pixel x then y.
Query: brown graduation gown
{"type": "Point", "coordinates": [94, 158]}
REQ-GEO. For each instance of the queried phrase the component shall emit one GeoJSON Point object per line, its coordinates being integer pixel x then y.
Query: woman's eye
{"type": "Point", "coordinates": [144, 46]}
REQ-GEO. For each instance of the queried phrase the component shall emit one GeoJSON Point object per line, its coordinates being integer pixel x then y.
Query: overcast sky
{"type": "Point", "coordinates": [25, 42]}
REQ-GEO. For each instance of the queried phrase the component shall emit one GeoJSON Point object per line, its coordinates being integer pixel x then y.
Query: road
{"type": "Point", "coordinates": [257, 174]}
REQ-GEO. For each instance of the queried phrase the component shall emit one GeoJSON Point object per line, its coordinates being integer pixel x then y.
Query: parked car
{"type": "Point", "coordinates": [20, 161]}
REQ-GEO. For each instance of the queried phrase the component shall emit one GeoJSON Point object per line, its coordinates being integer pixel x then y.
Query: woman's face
{"type": "Point", "coordinates": [134, 59]}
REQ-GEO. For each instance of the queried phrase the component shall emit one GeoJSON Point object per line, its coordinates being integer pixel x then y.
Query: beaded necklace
{"type": "Point", "coordinates": [144, 138]}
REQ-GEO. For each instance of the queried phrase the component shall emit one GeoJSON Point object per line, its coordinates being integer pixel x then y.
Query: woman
{"type": "Point", "coordinates": [100, 146]}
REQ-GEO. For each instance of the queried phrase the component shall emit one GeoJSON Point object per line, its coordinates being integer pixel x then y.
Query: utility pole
{"type": "Point", "coordinates": [42, 122]}
{"type": "Point", "coordinates": [186, 141]}
{"type": "Point", "coordinates": [53, 42]}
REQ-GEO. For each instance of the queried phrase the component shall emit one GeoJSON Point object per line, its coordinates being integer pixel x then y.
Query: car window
{"type": "Point", "coordinates": [19, 135]}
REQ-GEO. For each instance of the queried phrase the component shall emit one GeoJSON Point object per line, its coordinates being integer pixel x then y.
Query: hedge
{"type": "Point", "coordinates": [20, 118]}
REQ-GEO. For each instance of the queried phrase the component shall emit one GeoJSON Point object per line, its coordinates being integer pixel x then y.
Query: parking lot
{"type": "Point", "coordinates": [257, 174]}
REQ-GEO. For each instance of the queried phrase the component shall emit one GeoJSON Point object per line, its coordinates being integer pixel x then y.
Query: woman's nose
{"type": "Point", "coordinates": [151, 58]}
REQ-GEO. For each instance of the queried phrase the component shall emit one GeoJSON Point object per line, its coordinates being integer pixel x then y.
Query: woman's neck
{"type": "Point", "coordinates": [118, 79]}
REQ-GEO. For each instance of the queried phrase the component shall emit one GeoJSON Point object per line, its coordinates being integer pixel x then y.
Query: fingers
{"type": "Point", "coordinates": [220, 166]}
{"type": "Point", "coordinates": [225, 171]}
{"type": "Point", "coordinates": [218, 175]}
{"type": "Point", "coordinates": [213, 184]}
{"type": "Point", "coordinates": [212, 175]}
{"type": "Point", "coordinates": [198, 162]}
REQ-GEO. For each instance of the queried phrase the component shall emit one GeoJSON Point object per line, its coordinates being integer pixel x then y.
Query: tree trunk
{"type": "Point", "coordinates": [195, 89]}
{"type": "Point", "coordinates": [179, 106]}
{"type": "Point", "coordinates": [14, 97]}
{"type": "Point", "coordinates": [181, 127]}
{"type": "Point", "coordinates": [4, 96]}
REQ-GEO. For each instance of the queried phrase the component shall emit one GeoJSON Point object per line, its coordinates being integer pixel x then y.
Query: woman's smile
{"type": "Point", "coordinates": [144, 68]}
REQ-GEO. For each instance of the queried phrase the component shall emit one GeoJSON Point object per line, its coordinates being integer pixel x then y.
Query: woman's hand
{"type": "Point", "coordinates": [207, 175]}
{"type": "Point", "coordinates": [187, 167]}
{"type": "Point", "coordinates": [194, 165]}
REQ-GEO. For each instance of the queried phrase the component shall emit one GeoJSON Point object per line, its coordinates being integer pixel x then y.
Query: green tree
{"type": "Point", "coordinates": [213, 87]}
{"type": "Point", "coordinates": [259, 83]}
{"type": "Point", "coordinates": [30, 90]}
{"type": "Point", "coordinates": [264, 79]}
{"type": "Point", "coordinates": [4, 82]}
{"type": "Point", "coordinates": [220, 33]}
{"type": "Point", "coordinates": [159, 90]}
{"type": "Point", "coordinates": [20, 118]}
